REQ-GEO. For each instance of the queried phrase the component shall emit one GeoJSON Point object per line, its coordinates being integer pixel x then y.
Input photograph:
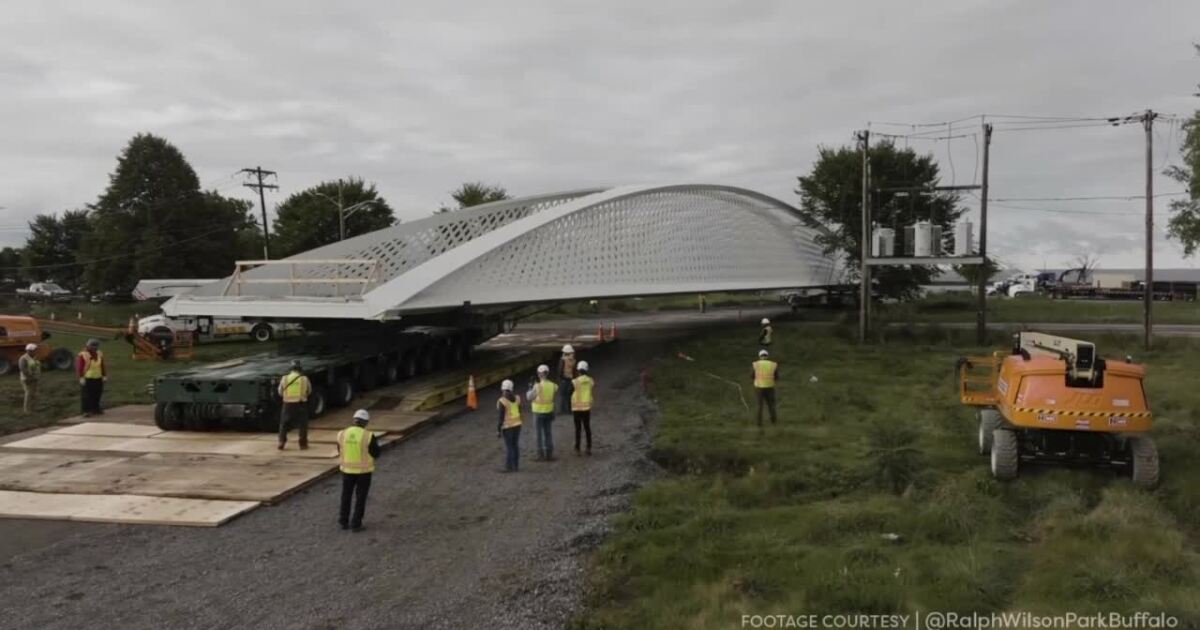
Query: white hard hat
{"type": "Point", "coordinates": [567, 349]}
{"type": "Point", "coordinates": [31, 347]}
{"type": "Point", "coordinates": [762, 353]}
{"type": "Point", "coordinates": [506, 386]}
{"type": "Point", "coordinates": [766, 321]}
{"type": "Point", "coordinates": [362, 414]}
{"type": "Point", "coordinates": [583, 366]}
{"type": "Point", "coordinates": [543, 369]}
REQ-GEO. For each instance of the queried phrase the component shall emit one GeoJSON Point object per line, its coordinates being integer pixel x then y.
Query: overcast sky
{"type": "Point", "coordinates": [541, 96]}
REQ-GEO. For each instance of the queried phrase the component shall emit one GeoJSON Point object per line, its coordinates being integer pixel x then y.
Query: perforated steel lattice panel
{"type": "Point", "coordinates": [672, 240]}
{"type": "Point", "coordinates": [397, 249]}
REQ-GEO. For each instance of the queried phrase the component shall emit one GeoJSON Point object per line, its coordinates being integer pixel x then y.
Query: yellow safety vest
{"type": "Point", "coordinates": [581, 398]}
{"type": "Point", "coordinates": [568, 367]}
{"type": "Point", "coordinates": [295, 387]}
{"type": "Point", "coordinates": [764, 373]}
{"type": "Point", "coordinates": [93, 367]}
{"type": "Point", "coordinates": [354, 444]}
{"type": "Point", "coordinates": [544, 401]}
{"type": "Point", "coordinates": [512, 412]}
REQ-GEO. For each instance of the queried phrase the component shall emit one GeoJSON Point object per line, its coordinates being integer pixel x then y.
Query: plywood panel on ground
{"type": "Point", "coordinates": [390, 421]}
{"type": "Point", "coordinates": [120, 508]}
{"type": "Point", "coordinates": [168, 475]}
{"type": "Point", "coordinates": [126, 414]}
{"type": "Point", "coordinates": [108, 429]}
{"type": "Point", "coordinates": [213, 446]}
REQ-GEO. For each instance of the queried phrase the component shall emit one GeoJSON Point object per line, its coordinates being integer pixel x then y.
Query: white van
{"type": "Point", "coordinates": [205, 328]}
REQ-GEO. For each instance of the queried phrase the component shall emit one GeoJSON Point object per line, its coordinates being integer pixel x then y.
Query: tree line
{"type": "Point", "coordinates": [154, 220]}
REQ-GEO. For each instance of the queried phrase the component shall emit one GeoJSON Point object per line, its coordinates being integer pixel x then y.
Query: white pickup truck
{"type": "Point", "coordinates": [209, 328]}
{"type": "Point", "coordinates": [45, 292]}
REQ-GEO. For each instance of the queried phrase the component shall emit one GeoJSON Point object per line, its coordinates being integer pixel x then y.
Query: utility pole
{"type": "Point", "coordinates": [259, 172]}
{"type": "Point", "coordinates": [981, 313]}
{"type": "Point", "coordinates": [1148, 294]}
{"type": "Point", "coordinates": [864, 299]}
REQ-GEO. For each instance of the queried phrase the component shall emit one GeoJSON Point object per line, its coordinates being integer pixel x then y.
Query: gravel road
{"type": "Point", "coordinates": [451, 542]}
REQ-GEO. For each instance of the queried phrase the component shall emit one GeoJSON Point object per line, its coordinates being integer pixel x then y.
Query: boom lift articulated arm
{"type": "Point", "coordinates": [1080, 356]}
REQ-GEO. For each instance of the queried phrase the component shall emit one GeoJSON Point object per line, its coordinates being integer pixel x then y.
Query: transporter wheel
{"type": "Point", "coordinates": [410, 365]}
{"type": "Point", "coordinates": [391, 372]}
{"type": "Point", "coordinates": [1005, 454]}
{"type": "Point", "coordinates": [341, 393]}
{"type": "Point", "coordinates": [368, 376]}
{"type": "Point", "coordinates": [61, 359]}
{"type": "Point", "coordinates": [262, 332]}
{"type": "Point", "coordinates": [989, 420]}
{"type": "Point", "coordinates": [428, 360]}
{"type": "Point", "coordinates": [169, 416]}
{"type": "Point", "coordinates": [316, 402]}
{"type": "Point", "coordinates": [1144, 461]}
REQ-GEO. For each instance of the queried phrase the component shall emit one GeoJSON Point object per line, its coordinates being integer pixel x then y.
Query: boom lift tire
{"type": "Point", "coordinates": [61, 359]}
{"type": "Point", "coordinates": [1005, 454]}
{"type": "Point", "coordinates": [989, 420]}
{"type": "Point", "coordinates": [1144, 461]}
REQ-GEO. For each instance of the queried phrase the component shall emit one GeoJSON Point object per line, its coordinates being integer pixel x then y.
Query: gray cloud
{"type": "Point", "coordinates": [539, 96]}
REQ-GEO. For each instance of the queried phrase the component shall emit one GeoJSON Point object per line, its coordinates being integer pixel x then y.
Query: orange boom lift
{"type": "Point", "coordinates": [1053, 399]}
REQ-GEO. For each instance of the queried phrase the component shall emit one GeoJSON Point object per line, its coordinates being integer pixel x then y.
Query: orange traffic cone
{"type": "Point", "coordinates": [612, 333]}
{"type": "Point", "coordinates": [472, 397]}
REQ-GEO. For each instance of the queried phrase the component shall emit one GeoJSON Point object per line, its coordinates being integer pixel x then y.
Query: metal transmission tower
{"type": "Point", "coordinates": [259, 173]}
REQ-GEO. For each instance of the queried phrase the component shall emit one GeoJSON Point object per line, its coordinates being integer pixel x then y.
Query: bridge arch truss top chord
{"type": "Point", "coordinates": [627, 241]}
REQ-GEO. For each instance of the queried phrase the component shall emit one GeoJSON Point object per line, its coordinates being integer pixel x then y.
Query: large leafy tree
{"type": "Point", "coordinates": [10, 265]}
{"type": "Point", "coordinates": [830, 197]}
{"type": "Point", "coordinates": [154, 221]}
{"type": "Point", "coordinates": [53, 243]}
{"type": "Point", "coordinates": [474, 194]}
{"type": "Point", "coordinates": [1184, 224]}
{"type": "Point", "coordinates": [309, 218]}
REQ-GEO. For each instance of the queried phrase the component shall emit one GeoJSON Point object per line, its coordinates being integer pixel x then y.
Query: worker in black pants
{"type": "Point", "coordinates": [766, 373]}
{"type": "Point", "coordinates": [357, 450]}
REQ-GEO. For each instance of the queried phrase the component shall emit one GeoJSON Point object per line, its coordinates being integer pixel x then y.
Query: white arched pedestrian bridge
{"type": "Point", "coordinates": [594, 243]}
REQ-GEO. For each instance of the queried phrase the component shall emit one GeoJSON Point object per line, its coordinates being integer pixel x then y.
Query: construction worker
{"type": "Point", "coordinates": [357, 451]}
{"type": "Point", "coordinates": [766, 372]}
{"type": "Point", "coordinates": [764, 336]}
{"type": "Point", "coordinates": [566, 374]}
{"type": "Point", "coordinates": [509, 425]}
{"type": "Point", "coordinates": [581, 405]}
{"type": "Point", "coordinates": [703, 304]}
{"type": "Point", "coordinates": [541, 396]}
{"type": "Point", "coordinates": [31, 371]}
{"type": "Point", "coordinates": [294, 389]}
{"type": "Point", "coordinates": [92, 370]}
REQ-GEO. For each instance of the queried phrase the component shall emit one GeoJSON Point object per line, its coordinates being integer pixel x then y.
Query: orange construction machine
{"type": "Point", "coordinates": [16, 332]}
{"type": "Point", "coordinates": [1054, 399]}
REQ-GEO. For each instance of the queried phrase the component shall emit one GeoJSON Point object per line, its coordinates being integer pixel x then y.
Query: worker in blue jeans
{"type": "Point", "coordinates": [542, 395]}
{"type": "Point", "coordinates": [508, 426]}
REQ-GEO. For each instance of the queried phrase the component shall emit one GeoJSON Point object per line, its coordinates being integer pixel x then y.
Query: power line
{"type": "Point", "coordinates": [1092, 198]}
{"type": "Point", "coordinates": [260, 186]}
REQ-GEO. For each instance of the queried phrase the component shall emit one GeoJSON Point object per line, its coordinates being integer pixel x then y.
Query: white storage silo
{"type": "Point", "coordinates": [922, 239]}
{"type": "Point", "coordinates": [883, 242]}
{"type": "Point", "coordinates": [963, 235]}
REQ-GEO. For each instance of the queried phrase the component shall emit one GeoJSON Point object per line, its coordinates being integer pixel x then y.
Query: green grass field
{"type": "Point", "coordinates": [869, 496]}
{"type": "Point", "coordinates": [961, 308]}
{"type": "Point", "coordinates": [59, 393]}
